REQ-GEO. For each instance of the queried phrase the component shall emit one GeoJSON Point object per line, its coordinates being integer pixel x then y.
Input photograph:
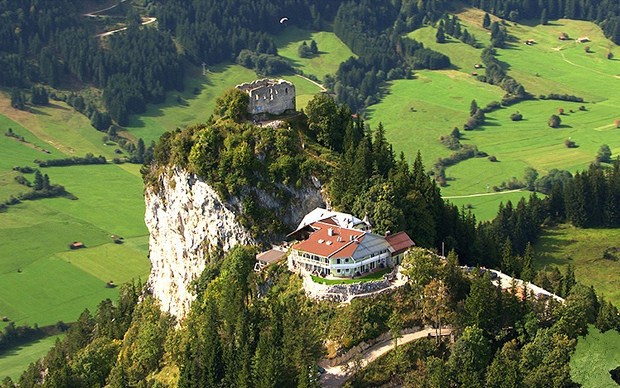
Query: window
{"type": "Point", "coordinates": [338, 262]}
{"type": "Point", "coordinates": [285, 90]}
{"type": "Point", "coordinates": [346, 260]}
{"type": "Point", "coordinates": [338, 270]}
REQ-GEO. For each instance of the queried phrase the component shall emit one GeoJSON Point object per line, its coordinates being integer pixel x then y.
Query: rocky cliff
{"type": "Point", "coordinates": [186, 218]}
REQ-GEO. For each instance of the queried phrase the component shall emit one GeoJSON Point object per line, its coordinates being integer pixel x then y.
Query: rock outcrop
{"type": "Point", "coordinates": [187, 218]}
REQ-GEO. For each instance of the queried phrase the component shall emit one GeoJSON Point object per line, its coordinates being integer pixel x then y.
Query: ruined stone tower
{"type": "Point", "coordinates": [269, 96]}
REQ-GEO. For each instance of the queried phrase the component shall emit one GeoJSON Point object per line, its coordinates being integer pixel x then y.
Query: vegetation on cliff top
{"type": "Point", "coordinates": [241, 159]}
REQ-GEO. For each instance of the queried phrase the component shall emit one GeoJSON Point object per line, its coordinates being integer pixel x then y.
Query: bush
{"type": "Point", "coordinates": [516, 116]}
{"type": "Point", "coordinates": [554, 121]}
{"type": "Point", "coordinates": [491, 106]}
{"type": "Point", "coordinates": [470, 124]}
{"type": "Point", "coordinates": [492, 158]}
{"type": "Point", "coordinates": [570, 144]}
{"type": "Point", "coordinates": [561, 97]}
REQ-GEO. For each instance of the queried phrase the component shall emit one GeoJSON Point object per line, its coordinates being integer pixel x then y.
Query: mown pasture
{"type": "Point", "coordinates": [12, 362]}
{"type": "Point", "coordinates": [584, 248]}
{"type": "Point", "coordinates": [332, 51]}
{"type": "Point", "coordinates": [549, 66]}
{"type": "Point", "coordinates": [485, 205]}
{"type": "Point", "coordinates": [43, 281]}
{"type": "Point", "coordinates": [196, 102]}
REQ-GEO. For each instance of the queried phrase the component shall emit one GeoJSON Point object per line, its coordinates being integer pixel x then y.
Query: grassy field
{"type": "Point", "coordinates": [195, 104]}
{"type": "Point", "coordinates": [485, 206]}
{"type": "Point", "coordinates": [584, 249]}
{"type": "Point", "coordinates": [595, 356]}
{"type": "Point", "coordinates": [43, 281]}
{"type": "Point", "coordinates": [415, 113]}
{"type": "Point", "coordinates": [13, 362]}
{"type": "Point", "coordinates": [332, 51]}
{"type": "Point", "coordinates": [440, 101]}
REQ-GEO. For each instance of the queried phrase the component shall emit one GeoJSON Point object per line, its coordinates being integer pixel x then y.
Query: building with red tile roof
{"type": "Point", "coordinates": [339, 251]}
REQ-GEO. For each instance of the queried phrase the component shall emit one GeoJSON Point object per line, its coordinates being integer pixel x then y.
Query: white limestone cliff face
{"type": "Point", "coordinates": [186, 217]}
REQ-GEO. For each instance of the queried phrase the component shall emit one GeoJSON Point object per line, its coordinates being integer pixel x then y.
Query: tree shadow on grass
{"type": "Point", "coordinates": [56, 106]}
{"type": "Point", "coordinates": [182, 99]}
{"type": "Point", "coordinates": [36, 111]}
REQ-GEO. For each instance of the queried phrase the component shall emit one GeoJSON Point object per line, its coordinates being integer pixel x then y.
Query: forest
{"type": "Point", "coordinates": [49, 42]}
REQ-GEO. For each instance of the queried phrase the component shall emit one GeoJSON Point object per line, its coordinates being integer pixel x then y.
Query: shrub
{"type": "Point", "coordinates": [471, 123]}
{"type": "Point", "coordinates": [570, 144]}
{"type": "Point", "coordinates": [491, 106]}
{"type": "Point", "coordinates": [492, 158]}
{"type": "Point", "coordinates": [554, 121]}
{"type": "Point", "coordinates": [516, 116]}
{"type": "Point", "coordinates": [604, 154]}
{"type": "Point", "coordinates": [561, 97]}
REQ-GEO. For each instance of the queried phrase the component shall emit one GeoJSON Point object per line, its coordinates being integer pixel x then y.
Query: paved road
{"type": "Point", "coordinates": [336, 376]}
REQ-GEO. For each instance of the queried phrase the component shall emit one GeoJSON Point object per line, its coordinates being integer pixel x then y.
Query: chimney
{"type": "Point", "coordinates": [330, 232]}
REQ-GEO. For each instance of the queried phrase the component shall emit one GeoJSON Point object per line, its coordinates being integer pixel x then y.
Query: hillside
{"type": "Point", "coordinates": [549, 66]}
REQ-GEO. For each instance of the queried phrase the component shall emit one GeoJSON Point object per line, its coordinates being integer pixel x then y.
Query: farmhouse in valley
{"type": "Point", "coordinates": [269, 96]}
{"type": "Point", "coordinates": [341, 245]}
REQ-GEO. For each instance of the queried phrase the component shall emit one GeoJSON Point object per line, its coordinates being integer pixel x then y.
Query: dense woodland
{"type": "Point", "coordinates": [247, 329]}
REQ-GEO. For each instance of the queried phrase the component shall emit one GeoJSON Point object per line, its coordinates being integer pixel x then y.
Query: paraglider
{"type": "Point", "coordinates": [284, 20]}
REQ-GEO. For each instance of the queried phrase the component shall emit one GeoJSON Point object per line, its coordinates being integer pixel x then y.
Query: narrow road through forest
{"type": "Point", "coordinates": [337, 375]}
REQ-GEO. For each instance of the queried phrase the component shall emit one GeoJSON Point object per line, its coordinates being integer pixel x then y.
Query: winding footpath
{"type": "Point", "coordinates": [323, 90]}
{"type": "Point", "coordinates": [337, 375]}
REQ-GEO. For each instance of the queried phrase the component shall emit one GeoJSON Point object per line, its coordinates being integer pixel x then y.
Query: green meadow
{"type": "Point", "coordinates": [332, 51]}
{"type": "Point", "coordinates": [584, 249]}
{"type": "Point", "coordinates": [596, 354]}
{"type": "Point", "coordinates": [43, 281]}
{"type": "Point", "coordinates": [196, 103]}
{"type": "Point", "coordinates": [13, 362]}
{"type": "Point", "coordinates": [485, 205]}
{"type": "Point", "coordinates": [416, 112]}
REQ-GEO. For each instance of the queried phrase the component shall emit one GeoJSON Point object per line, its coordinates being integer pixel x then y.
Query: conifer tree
{"type": "Point", "coordinates": [543, 17]}
{"type": "Point", "coordinates": [527, 271]}
{"type": "Point", "coordinates": [440, 36]}
{"type": "Point", "coordinates": [486, 21]}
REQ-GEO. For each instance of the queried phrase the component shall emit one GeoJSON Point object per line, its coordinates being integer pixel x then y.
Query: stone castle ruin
{"type": "Point", "coordinates": [269, 96]}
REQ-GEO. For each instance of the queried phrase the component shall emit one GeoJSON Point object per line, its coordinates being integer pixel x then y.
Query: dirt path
{"type": "Point", "coordinates": [586, 68]}
{"type": "Point", "coordinates": [482, 194]}
{"type": "Point", "coordinates": [144, 23]}
{"type": "Point", "coordinates": [314, 82]}
{"type": "Point", "coordinates": [93, 14]}
{"type": "Point", "coordinates": [336, 376]}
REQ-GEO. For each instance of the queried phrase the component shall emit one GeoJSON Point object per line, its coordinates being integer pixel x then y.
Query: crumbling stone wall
{"type": "Point", "coordinates": [269, 96]}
